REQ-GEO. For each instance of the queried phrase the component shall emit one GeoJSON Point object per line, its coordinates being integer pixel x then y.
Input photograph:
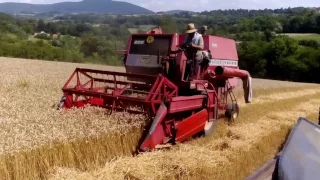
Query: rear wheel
{"type": "Point", "coordinates": [232, 112]}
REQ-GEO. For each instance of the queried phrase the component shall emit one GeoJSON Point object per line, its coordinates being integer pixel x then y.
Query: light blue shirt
{"type": "Point", "coordinates": [195, 40]}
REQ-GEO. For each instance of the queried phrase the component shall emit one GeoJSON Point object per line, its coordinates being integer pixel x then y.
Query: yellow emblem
{"type": "Point", "coordinates": [150, 39]}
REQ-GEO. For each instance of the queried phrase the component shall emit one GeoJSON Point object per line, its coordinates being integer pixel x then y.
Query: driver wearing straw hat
{"type": "Point", "coordinates": [194, 45]}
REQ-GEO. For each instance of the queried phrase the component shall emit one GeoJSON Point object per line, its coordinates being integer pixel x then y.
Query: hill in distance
{"type": "Point", "coordinates": [171, 12]}
{"type": "Point", "coordinates": [84, 6]}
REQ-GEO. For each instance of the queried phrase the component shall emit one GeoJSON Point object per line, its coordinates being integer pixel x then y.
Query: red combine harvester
{"type": "Point", "coordinates": [155, 84]}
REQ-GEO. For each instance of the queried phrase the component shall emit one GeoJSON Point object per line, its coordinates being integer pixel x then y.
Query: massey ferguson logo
{"type": "Point", "coordinates": [145, 60]}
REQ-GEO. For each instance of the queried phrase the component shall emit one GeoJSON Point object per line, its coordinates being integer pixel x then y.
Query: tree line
{"type": "Point", "coordinates": [76, 42]}
{"type": "Point", "coordinates": [262, 50]}
{"type": "Point", "coordinates": [280, 58]}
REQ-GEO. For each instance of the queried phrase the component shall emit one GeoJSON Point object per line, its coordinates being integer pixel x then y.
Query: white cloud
{"type": "Point", "coordinates": [151, 3]}
{"type": "Point", "coordinates": [204, 2]}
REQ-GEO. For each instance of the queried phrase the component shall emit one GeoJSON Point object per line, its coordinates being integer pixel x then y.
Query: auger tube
{"type": "Point", "coordinates": [244, 75]}
{"type": "Point", "coordinates": [231, 72]}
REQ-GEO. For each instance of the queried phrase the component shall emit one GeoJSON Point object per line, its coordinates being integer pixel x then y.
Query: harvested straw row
{"type": "Point", "coordinates": [273, 95]}
{"type": "Point", "coordinates": [80, 153]}
{"type": "Point", "coordinates": [272, 135]}
{"type": "Point", "coordinates": [83, 154]}
{"type": "Point", "coordinates": [209, 158]}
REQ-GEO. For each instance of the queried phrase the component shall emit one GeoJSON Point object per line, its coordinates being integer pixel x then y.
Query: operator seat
{"type": "Point", "coordinates": [203, 66]}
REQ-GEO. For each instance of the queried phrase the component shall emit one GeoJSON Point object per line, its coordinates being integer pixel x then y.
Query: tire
{"type": "Point", "coordinates": [232, 111]}
{"type": "Point", "coordinates": [209, 128]}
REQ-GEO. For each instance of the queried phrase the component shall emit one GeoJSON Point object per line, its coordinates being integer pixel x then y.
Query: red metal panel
{"type": "Point", "coordinates": [97, 101]}
{"type": "Point", "coordinates": [80, 103]}
{"type": "Point", "coordinates": [221, 48]}
{"type": "Point", "coordinates": [191, 125]}
{"type": "Point", "coordinates": [156, 132]}
{"type": "Point", "coordinates": [69, 101]}
{"type": "Point", "coordinates": [211, 98]}
{"type": "Point", "coordinates": [185, 103]}
{"type": "Point", "coordinates": [181, 38]}
{"type": "Point", "coordinates": [223, 51]}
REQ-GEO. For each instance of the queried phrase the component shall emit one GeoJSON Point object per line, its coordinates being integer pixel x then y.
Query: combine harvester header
{"type": "Point", "coordinates": [156, 83]}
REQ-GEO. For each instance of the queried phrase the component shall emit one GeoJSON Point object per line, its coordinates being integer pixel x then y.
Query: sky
{"type": "Point", "coordinates": [201, 5]}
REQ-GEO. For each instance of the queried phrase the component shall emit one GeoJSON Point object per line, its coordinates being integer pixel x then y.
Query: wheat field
{"type": "Point", "coordinates": [38, 142]}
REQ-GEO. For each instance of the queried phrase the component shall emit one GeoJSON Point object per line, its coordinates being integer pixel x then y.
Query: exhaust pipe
{"type": "Point", "coordinates": [244, 75]}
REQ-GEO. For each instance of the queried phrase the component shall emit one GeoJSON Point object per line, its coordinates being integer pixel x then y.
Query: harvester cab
{"type": "Point", "coordinates": [151, 54]}
{"type": "Point", "coordinates": [145, 53]}
{"type": "Point", "coordinates": [154, 84]}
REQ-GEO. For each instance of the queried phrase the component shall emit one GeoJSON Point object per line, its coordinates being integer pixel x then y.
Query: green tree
{"type": "Point", "coordinates": [251, 57]}
{"type": "Point", "coordinates": [168, 25]}
{"type": "Point", "coordinates": [41, 25]}
{"type": "Point", "coordinates": [89, 45]}
{"type": "Point", "coordinates": [280, 48]}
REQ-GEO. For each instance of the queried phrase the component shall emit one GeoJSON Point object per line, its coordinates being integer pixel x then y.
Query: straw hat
{"type": "Point", "coordinates": [191, 28]}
